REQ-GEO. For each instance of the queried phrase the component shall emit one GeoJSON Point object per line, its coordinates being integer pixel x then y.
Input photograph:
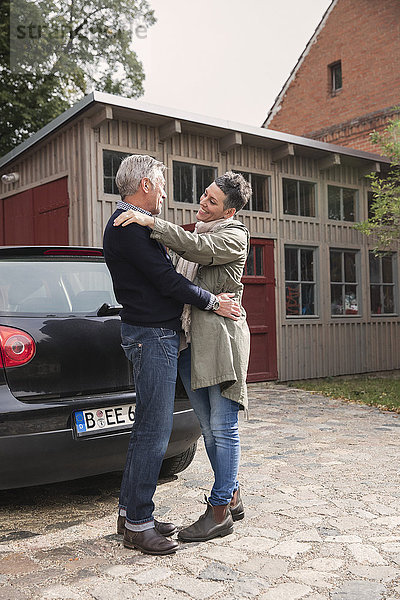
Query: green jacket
{"type": "Point", "coordinates": [220, 346]}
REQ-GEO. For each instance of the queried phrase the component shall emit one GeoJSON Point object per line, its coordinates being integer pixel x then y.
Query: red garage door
{"type": "Point", "coordinates": [38, 216]}
{"type": "Point", "coordinates": [259, 302]}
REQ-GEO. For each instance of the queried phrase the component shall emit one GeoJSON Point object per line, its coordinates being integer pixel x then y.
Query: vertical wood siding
{"type": "Point", "coordinates": [311, 347]}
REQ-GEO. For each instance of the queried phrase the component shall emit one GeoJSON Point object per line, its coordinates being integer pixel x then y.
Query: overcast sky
{"type": "Point", "coordinates": [224, 58]}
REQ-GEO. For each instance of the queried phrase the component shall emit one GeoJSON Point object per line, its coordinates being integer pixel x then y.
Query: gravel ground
{"type": "Point", "coordinates": [320, 483]}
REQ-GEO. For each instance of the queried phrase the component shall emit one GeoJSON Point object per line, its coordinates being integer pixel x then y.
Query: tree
{"type": "Point", "coordinates": [384, 222]}
{"type": "Point", "coordinates": [52, 52]}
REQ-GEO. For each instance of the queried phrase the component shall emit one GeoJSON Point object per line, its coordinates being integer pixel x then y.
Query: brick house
{"type": "Point", "coordinates": [346, 83]}
{"type": "Point", "coordinates": [318, 302]}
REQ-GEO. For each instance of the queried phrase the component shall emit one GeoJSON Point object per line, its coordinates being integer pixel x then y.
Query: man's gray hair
{"type": "Point", "coordinates": [132, 170]}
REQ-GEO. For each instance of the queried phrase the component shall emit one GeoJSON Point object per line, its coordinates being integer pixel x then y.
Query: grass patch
{"type": "Point", "coordinates": [381, 392]}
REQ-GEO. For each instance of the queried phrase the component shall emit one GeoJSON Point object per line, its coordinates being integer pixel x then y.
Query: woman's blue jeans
{"type": "Point", "coordinates": [153, 353]}
{"type": "Point", "coordinates": [218, 418]}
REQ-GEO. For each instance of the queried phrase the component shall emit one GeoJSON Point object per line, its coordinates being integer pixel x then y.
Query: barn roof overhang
{"type": "Point", "coordinates": [99, 106]}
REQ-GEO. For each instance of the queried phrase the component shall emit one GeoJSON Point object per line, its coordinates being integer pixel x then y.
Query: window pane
{"type": "Point", "coordinates": [307, 298]}
{"type": "Point", "coordinates": [336, 300]}
{"type": "Point", "coordinates": [333, 203]}
{"type": "Point", "coordinates": [387, 271]}
{"type": "Point", "coordinates": [349, 205]}
{"type": "Point", "coordinates": [349, 266]}
{"type": "Point", "coordinates": [292, 299]}
{"type": "Point", "coordinates": [336, 266]}
{"type": "Point", "coordinates": [370, 197]}
{"type": "Point", "coordinates": [388, 300]}
{"type": "Point", "coordinates": [336, 76]}
{"type": "Point", "coordinates": [204, 176]}
{"type": "Point", "coordinates": [259, 260]}
{"type": "Point", "coordinates": [290, 197]}
{"type": "Point", "coordinates": [374, 268]}
{"type": "Point", "coordinates": [350, 300]}
{"type": "Point", "coordinates": [307, 265]}
{"type": "Point", "coordinates": [260, 200]}
{"type": "Point", "coordinates": [376, 307]}
{"type": "Point", "coordinates": [250, 262]}
{"type": "Point", "coordinates": [291, 264]}
{"type": "Point", "coordinates": [307, 199]}
{"type": "Point", "coordinates": [111, 163]}
{"type": "Point", "coordinates": [183, 182]}
{"type": "Point", "coordinates": [108, 185]}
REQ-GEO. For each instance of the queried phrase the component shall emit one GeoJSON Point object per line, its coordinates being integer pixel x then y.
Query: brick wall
{"type": "Point", "coordinates": [365, 36]}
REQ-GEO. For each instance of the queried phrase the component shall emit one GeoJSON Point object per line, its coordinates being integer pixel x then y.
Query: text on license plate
{"type": "Point", "coordinates": [101, 419]}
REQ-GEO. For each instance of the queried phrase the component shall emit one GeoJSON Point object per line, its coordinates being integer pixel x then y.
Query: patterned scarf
{"type": "Point", "coordinates": [189, 270]}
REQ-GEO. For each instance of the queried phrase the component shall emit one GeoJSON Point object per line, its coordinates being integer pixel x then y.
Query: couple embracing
{"type": "Point", "coordinates": [181, 312]}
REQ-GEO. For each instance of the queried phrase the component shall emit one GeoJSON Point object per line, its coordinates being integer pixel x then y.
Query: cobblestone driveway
{"type": "Point", "coordinates": [320, 482]}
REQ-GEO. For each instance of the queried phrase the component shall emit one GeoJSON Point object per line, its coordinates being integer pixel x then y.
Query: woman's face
{"type": "Point", "coordinates": [212, 205]}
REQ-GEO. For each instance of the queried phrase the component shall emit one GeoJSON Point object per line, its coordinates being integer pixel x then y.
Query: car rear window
{"type": "Point", "coordinates": [54, 286]}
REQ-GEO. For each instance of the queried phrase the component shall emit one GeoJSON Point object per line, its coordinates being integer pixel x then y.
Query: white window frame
{"type": "Point", "coordinates": [299, 180]}
{"type": "Point", "coordinates": [356, 203]}
{"type": "Point", "coordinates": [314, 282]}
{"type": "Point", "coordinates": [193, 163]}
{"type": "Point", "coordinates": [381, 284]}
{"type": "Point", "coordinates": [357, 283]}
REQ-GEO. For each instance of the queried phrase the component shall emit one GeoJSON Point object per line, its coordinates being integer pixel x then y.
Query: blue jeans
{"type": "Point", "coordinates": [154, 356]}
{"type": "Point", "coordinates": [218, 418]}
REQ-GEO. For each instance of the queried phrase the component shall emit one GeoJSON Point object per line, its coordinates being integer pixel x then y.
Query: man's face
{"type": "Point", "coordinates": [155, 196]}
{"type": "Point", "coordinates": [212, 204]}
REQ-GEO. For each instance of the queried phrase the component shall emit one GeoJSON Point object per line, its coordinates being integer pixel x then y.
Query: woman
{"type": "Point", "coordinates": [215, 351]}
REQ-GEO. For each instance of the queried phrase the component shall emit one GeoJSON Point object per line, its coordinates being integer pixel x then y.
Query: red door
{"type": "Point", "coordinates": [259, 302]}
{"type": "Point", "coordinates": [38, 216]}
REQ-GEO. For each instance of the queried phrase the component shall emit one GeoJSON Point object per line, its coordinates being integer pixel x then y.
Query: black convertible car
{"type": "Point", "coordinates": [67, 399]}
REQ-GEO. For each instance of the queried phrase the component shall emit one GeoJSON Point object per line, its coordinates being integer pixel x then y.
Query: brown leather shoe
{"type": "Point", "coordinates": [215, 522]}
{"type": "Point", "coordinates": [149, 541]}
{"type": "Point", "coordinates": [236, 506]}
{"type": "Point", "coordinates": [163, 528]}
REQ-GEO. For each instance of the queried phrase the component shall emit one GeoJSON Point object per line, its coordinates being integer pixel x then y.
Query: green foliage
{"type": "Point", "coordinates": [384, 223]}
{"type": "Point", "coordinates": [52, 52]}
{"type": "Point", "coordinates": [380, 392]}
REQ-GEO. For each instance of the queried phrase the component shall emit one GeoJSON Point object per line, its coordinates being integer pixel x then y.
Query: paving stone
{"type": "Point", "coordinates": [311, 535]}
{"type": "Point", "coordinates": [194, 587]}
{"type": "Point", "coordinates": [324, 564]}
{"type": "Point", "coordinates": [271, 568]}
{"type": "Point", "coordinates": [217, 572]}
{"type": "Point", "coordinates": [230, 556]}
{"type": "Point", "coordinates": [255, 544]}
{"type": "Point", "coordinates": [39, 577]}
{"type": "Point", "coordinates": [344, 539]}
{"type": "Point", "coordinates": [312, 577]}
{"type": "Point", "coordinates": [247, 588]}
{"type": "Point", "coordinates": [286, 591]}
{"type": "Point", "coordinates": [391, 547]}
{"type": "Point", "coordinates": [15, 564]}
{"type": "Point", "coordinates": [290, 549]}
{"type": "Point", "coordinates": [161, 593]}
{"type": "Point", "coordinates": [152, 575]}
{"type": "Point", "coordinates": [359, 590]}
{"type": "Point", "coordinates": [60, 592]}
{"type": "Point", "coordinates": [106, 590]}
{"type": "Point", "coordinates": [376, 573]}
{"type": "Point", "coordinates": [11, 593]}
{"type": "Point", "coordinates": [366, 555]}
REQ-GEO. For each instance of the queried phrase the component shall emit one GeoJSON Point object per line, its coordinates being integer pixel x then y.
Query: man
{"type": "Point", "coordinates": [152, 295]}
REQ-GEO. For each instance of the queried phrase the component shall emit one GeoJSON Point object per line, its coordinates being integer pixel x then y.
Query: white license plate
{"type": "Point", "coordinates": [108, 418]}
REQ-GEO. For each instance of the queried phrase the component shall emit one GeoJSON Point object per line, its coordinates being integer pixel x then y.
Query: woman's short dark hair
{"type": "Point", "coordinates": [237, 190]}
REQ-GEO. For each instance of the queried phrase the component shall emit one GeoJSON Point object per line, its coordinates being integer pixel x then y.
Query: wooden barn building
{"type": "Point", "coordinates": [319, 302]}
{"type": "Point", "coordinates": [346, 82]}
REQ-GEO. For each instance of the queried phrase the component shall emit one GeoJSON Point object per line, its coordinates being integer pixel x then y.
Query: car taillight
{"type": "Point", "coordinates": [16, 347]}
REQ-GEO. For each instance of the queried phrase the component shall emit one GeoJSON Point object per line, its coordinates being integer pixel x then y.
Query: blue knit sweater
{"type": "Point", "coordinates": [145, 282]}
